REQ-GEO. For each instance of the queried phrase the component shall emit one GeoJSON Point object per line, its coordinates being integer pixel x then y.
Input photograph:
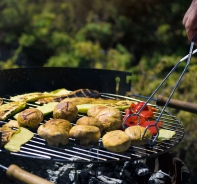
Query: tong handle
{"type": "Point", "coordinates": [178, 104]}
{"type": "Point", "coordinates": [15, 172]}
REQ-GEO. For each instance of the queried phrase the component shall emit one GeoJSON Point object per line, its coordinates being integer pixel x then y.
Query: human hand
{"type": "Point", "coordinates": [190, 21]}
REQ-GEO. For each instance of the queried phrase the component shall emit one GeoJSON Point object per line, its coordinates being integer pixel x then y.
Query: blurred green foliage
{"type": "Point", "coordinates": [144, 37]}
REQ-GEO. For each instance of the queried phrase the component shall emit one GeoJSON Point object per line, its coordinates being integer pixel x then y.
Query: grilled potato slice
{"type": "Point", "coordinates": [11, 108]}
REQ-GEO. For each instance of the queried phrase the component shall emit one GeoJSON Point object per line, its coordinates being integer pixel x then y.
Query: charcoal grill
{"type": "Point", "coordinates": [23, 80]}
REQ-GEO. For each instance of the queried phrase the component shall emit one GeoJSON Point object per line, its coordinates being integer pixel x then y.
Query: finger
{"type": "Point", "coordinates": [191, 33]}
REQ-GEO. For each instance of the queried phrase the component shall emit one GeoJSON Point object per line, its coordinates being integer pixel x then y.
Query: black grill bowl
{"type": "Point", "coordinates": [22, 80]}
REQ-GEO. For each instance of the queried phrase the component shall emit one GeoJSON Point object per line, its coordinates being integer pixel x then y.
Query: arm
{"type": "Point", "coordinates": [190, 20]}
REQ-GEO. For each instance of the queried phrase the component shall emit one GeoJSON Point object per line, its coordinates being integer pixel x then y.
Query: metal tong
{"type": "Point", "coordinates": [188, 57]}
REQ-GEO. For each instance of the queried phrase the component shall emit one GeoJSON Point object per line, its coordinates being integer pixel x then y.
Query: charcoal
{"type": "Point", "coordinates": [159, 178]}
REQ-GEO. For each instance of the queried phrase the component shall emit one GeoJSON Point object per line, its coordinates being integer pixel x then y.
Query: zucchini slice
{"type": "Point", "coordinates": [11, 108]}
{"type": "Point", "coordinates": [83, 108]}
{"type": "Point", "coordinates": [32, 97]}
{"type": "Point", "coordinates": [18, 139]}
{"type": "Point", "coordinates": [45, 109]}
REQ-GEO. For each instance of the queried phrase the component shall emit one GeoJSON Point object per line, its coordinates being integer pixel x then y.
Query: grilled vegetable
{"type": "Point", "coordinates": [31, 97]}
{"type": "Point", "coordinates": [110, 117]}
{"type": "Point", "coordinates": [61, 91]}
{"type": "Point", "coordinates": [55, 131]}
{"type": "Point", "coordinates": [7, 133]}
{"type": "Point", "coordinates": [9, 109]}
{"type": "Point", "coordinates": [8, 130]}
{"type": "Point", "coordinates": [116, 141]}
{"type": "Point", "coordinates": [45, 109]}
{"type": "Point", "coordinates": [165, 134]}
{"type": "Point", "coordinates": [65, 110]}
{"type": "Point", "coordinates": [87, 93]}
{"type": "Point", "coordinates": [84, 100]}
{"type": "Point", "coordinates": [30, 118]}
{"type": "Point", "coordinates": [136, 134]}
{"type": "Point", "coordinates": [18, 139]}
{"type": "Point", "coordinates": [85, 134]}
{"type": "Point", "coordinates": [85, 120]}
{"type": "Point", "coordinates": [145, 117]}
{"type": "Point", "coordinates": [11, 124]}
{"type": "Point", "coordinates": [83, 108]}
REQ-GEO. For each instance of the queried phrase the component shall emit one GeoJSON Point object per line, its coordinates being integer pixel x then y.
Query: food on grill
{"type": "Point", "coordinates": [84, 100]}
{"type": "Point", "coordinates": [85, 120]}
{"type": "Point", "coordinates": [61, 91]}
{"type": "Point", "coordinates": [165, 134]}
{"type": "Point", "coordinates": [85, 134]}
{"type": "Point", "coordinates": [83, 108]}
{"type": "Point", "coordinates": [79, 100]}
{"type": "Point", "coordinates": [110, 117]}
{"type": "Point", "coordinates": [152, 126]}
{"type": "Point", "coordinates": [144, 118]}
{"type": "Point", "coordinates": [19, 138]}
{"type": "Point", "coordinates": [12, 124]}
{"type": "Point", "coordinates": [136, 134]}
{"type": "Point", "coordinates": [87, 93]}
{"type": "Point", "coordinates": [116, 141]}
{"type": "Point", "coordinates": [65, 110]}
{"type": "Point", "coordinates": [55, 131]}
{"type": "Point", "coordinates": [31, 97]}
{"type": "Point", "coordinates": [1, 101]}
{"type": "Point", "coordinates": [45, 109]}
{"type": "Point", "coordinates": [30, 118]}
{"type": "Point", "coordinates": [89, 100]}
{"type": "Point", "coordinates": [11, 108]}
{"type": "Point", "coordinates": [6, 133]}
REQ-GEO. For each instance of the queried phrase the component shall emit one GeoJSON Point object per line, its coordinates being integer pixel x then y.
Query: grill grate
{"type": "Point", "coordinates": [74, 152]}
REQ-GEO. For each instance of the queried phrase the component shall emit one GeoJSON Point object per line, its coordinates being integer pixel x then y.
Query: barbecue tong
{"type": "Point", "coordinates": [167, 100]}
